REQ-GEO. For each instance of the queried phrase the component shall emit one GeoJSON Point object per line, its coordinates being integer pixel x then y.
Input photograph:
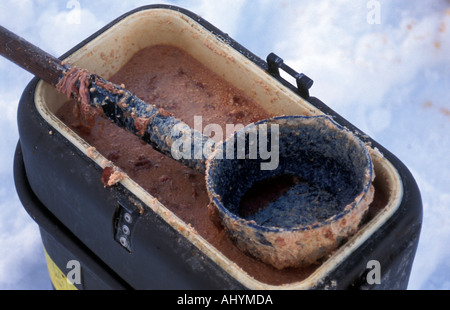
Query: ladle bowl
{"type": "Point", "coordinates": [313, 199]}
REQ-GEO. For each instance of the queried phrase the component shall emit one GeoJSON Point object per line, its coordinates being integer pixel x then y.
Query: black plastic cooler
{"type": "Point", "coordinates": [59, 185]}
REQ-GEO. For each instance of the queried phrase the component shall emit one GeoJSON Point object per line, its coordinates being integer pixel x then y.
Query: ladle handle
{"type": "Point", "coordinates": [154, 126]}
{"type": "Point", "coordinates": [30, 57]}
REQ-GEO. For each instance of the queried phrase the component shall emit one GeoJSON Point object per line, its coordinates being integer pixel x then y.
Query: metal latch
{"type": "Point", "coordinates": [124, 222]}
{"type": "Point", "coordinates": [304, 83]}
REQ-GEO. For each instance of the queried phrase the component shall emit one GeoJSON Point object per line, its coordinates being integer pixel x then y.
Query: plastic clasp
{"type": "Point", "coordinates": [124, 221]}
{"type": "Point", "coordinates": [304, 83]}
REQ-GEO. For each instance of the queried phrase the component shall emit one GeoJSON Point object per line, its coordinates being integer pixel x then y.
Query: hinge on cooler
{"type": "Point", "coordinates": [304, 83]}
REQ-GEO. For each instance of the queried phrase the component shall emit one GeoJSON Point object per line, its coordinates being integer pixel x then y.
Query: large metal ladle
{"type": "Point", "coordinates": [289, 210]}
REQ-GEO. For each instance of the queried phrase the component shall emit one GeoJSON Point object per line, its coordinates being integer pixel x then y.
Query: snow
{"type": "Point", "coordinates": [383, 65]}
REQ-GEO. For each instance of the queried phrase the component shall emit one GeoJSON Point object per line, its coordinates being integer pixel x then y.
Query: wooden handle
{"type": "Point", "coordinates": [30, 57]}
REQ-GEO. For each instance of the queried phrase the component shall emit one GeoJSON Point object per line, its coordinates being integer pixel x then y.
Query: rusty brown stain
{"type": "Point", "coordinates": [445, 111]}
{"type": "Point", "coordinates": [328, 234]}
{"type": "Point", "coordinates": [442, 27]}
{"type": "Point", "coordinates": [164, 112]}
{"type": "Point", "coordinates": [281, 241]}
{"type": "Point", "coordinates": [427, 104]}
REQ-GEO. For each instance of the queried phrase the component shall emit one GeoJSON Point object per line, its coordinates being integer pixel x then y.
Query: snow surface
{"type": "Point", "coordinates": [387, 73]}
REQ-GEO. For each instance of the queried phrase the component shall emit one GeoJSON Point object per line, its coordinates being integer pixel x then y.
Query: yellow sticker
{"type": "Point", "coordinates": [58, 278]}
